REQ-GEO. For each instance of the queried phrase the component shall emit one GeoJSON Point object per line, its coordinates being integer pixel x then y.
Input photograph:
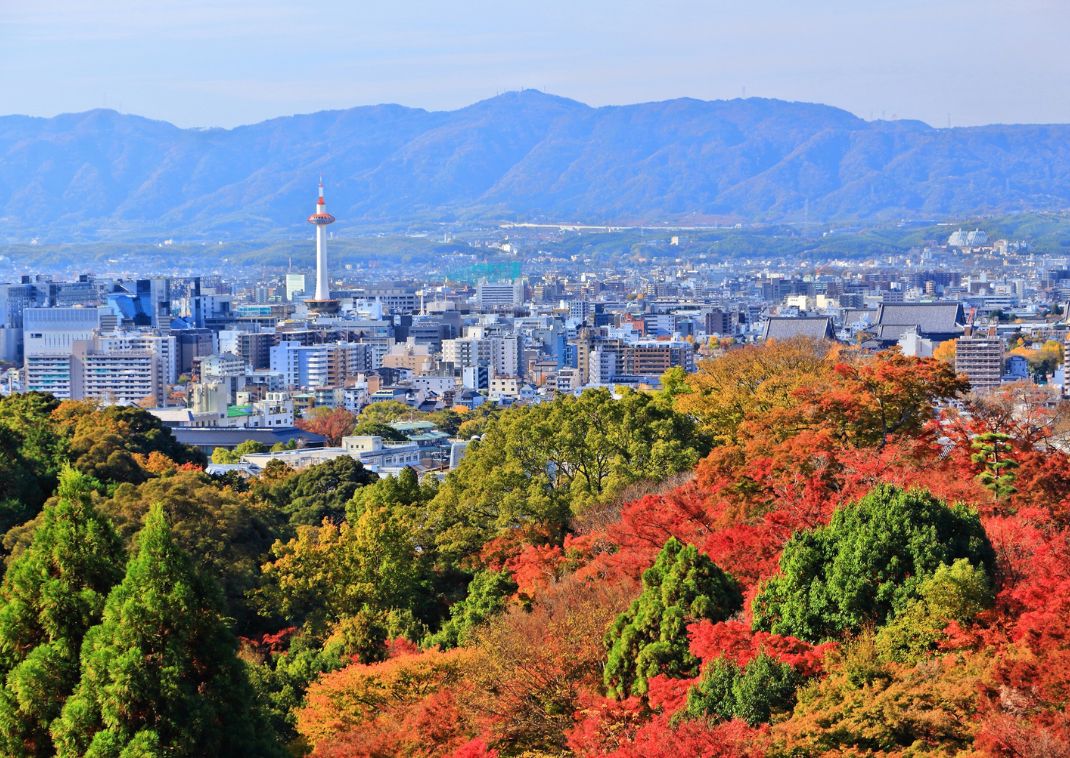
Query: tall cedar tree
{"type": "Point", "coordinates": [159, 674]}
{"type": "Point", "coordinates": [51, 595]}
{"type": "Point", "coordinates": [650, 638]}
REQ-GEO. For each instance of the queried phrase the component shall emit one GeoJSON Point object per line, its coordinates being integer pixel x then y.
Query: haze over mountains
{"type": "Point", "coordinates": [520, 156]}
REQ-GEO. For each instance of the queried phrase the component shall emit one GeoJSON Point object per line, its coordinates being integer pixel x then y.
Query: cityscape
{"type": "Point", "coordinates": [224, 361]}
{"type": "Point", "coordinates": [708, 399]}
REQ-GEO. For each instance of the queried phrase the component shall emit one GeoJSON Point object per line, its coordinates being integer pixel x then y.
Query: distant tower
{"type": "Point", "coordinates": [322, 302]}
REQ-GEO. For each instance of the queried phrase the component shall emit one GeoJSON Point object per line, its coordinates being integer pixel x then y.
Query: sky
{"type": "Point", "coordinates": [231, 62]}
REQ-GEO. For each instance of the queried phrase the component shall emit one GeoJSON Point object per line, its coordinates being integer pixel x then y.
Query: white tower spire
{"type": "Point", "coordinates": [321, 218]}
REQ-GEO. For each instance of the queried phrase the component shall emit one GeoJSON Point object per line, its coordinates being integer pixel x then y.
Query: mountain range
{"type": "Point", "coordinates": [524, 156]}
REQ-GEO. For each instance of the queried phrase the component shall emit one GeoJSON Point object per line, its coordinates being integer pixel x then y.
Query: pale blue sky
{"type": "Point", "coordinates": [225, 63]}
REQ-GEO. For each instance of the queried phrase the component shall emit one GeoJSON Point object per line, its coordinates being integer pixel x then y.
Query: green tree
{"type": "Point", "coordinates": [228, 536]}
{"type": "Point", "coordinates": [334, 571]}
{"type": "Point", "coordinates": [398, 492]}
{"type": "Point", "coordinates": [753, 693]}
{"type": "Point", "coordinates": [385, 412]}
{"type": "Point", "coordinates": [447, 420]}
{"type": "Point", "coordinates": [536, 466]}
{"type": "Point", "coordinates": [488, 594]}
{"type": "Point", "coordinates": [283, 678]}
{"type": "Point", "coordinates": [320, 492]}
{"type": "Point", "coordinates": [650, 638]}
{"type": "Point", "coordinates": [51, 595]}
{"type": "Point", "coordinates": [674, 382]}
{"type": "Point", "coordinates": [867, 564]}
{"type": "Point", "coordinates": [31, 455]}
{"type": "Point", "coordinates": [160, 674]}
{"type": "Point", "coordinates": [222, 455]}
{"type": "Point", "coordinates": [953, 593]}
{"type": "Point", "coordinates": [992, 451]}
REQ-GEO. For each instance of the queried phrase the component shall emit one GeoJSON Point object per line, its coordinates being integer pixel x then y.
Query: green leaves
{"type": "Point", "coordinates": [650, 638]}
{"type": "Point", "coordinates": [992, 451]}
{"type": "Point", "coordinates": [867, 564]}
{"type": "Point", "coordinates": [159, 674]}
{"type": "Point", "coordinates": [753, 693]}
{"type": "Point", "coordinates": [52, 593]}
{"type": "Point", "coordinates": [537, 466]}
{"type": "Point", "coordinates": [487, 596]}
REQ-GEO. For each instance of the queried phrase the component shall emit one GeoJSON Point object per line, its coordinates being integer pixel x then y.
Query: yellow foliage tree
{"type": "Point", "coordinates": [751, 380]}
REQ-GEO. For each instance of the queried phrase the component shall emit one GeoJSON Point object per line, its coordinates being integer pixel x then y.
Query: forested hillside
{"type": "Point", "coordinates": [799, 550]}
{"type": "Point", "coordinates": [522, 155]}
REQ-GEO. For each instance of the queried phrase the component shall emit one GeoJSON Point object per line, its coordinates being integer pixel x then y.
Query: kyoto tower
{"type": "Point", "coordinates": [322, 302]}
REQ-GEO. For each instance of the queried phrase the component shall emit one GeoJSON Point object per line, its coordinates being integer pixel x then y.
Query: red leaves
{"type": "Point", "coordinates": [536, 568]}
{"type": "Point", "coordinates": [739, 643]}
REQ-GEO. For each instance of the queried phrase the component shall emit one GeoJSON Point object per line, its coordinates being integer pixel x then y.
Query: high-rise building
{"type": "Point", "coordinates": [50, 335]}
{"type": "Point", "coordinates": [980, 358]}
{"type": "Point", "coordinates": [313, 366]}
{"type": "Point", "coordinates": [500, 294]}
{"type": "Point", "coordinates": [295, 285]}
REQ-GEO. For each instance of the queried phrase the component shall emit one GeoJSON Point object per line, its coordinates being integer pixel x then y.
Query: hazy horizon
{"type": "Point", "coordinates": [200, 64]}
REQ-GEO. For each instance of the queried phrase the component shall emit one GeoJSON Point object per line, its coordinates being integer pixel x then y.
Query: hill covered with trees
{"type": "Point", "coordinates": [799, 550]}
{"type": "Point", "coordinates": [522, 155]}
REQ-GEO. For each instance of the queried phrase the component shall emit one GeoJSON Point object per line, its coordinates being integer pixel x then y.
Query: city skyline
{"type": "Point", "coordinates": [201, 64]}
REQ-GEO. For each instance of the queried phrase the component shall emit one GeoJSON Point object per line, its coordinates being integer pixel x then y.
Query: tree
{"type": "Point", "coordinates": [159, 674]}
{"type": "Point", "coordinates": [404, 490]}
{"type": "Point", "coordinates": [371, 429]}
{"type": "Point", "coordinates": [945, 352]}
{"type": "Point", "coordinates": [227, 535]}
{"type": "Point", "coordinates": [283, 678]}
{"type": "Point", "coordinates": [536, 664]}
{"type": "Point", "coordinates": [447, 420]}
{"type": "Point", "coordinates": [31, 455]}
{"type": "Point", "coordinates": [104, 441]}
{"type": "Point", "coordinates": [51, 595]}
{"type": "Point", "coordinates": [332, 423]}
{"type": "Point", "coordinates": [386, 411]}
{"type": "Point", "coordinates": [322, 491]}
{"type": "Point", "coordinates": [750, 380]}
{"type": "Point", "coordinates": [331, 572]}
{"type": "Point", "coordinates": [867, 564]}
{"type": "Point", "coordinates": [928, 709]}
{"type": "Point", "coordinates": [536, 466]}
{"type": "Point", "coordinates": [487, 595]}
{"type": "Point", "coordinates": [752, 693]}
{"type": "Point", "coordinates": [222, 455]}
{"type": "Point", "coordinates": [992, 451]}
{"type": "Point", "coordinates": [953, 593]}
{"type": "Point", "coordinates": [650, 638]}
{"type": "Point", "coordinates": [364, 704]}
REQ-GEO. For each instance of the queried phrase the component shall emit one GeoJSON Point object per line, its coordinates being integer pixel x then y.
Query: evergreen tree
{"type": "Point", "coordinates": [752, 693]}
{"type": "Point", "coordinates": [650, 638]}
{"type": "Point", "coordinates": [488, 593]}
{"type": "Point", "coordinates": [868, 563]}
{"type": "Point", "coordinates": [159, 674]}
{"type": "Point", "coordinates": [51, 595]}
{"type": "Point", "coordinates": [992, 450]}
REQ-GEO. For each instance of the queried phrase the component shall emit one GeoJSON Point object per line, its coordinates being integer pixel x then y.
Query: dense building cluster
{"type": "Point", "coordinates": [224, 360]}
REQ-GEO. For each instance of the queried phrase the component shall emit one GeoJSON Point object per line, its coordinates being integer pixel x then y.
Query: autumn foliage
{"type": "Point", "coordinates": [802, 549]}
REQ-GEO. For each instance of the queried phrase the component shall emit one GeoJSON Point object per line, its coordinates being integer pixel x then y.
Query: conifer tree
{"type": "Point", "coordinates": [51, 595]}
{"type": "Point", "coordinates": [159, 674]}
{"type": "Point", "coordinates": [650, 638]}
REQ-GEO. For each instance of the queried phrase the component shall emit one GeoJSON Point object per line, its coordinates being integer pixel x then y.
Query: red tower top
{"type": "Point", "coordinates": [321, 217]}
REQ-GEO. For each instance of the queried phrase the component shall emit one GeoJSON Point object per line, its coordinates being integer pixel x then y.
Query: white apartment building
{"type": "Point", "coordinates": [500, 294]}
{"type": "Point", "coordinates": [49, 337]}
{"type": "Point", "coordinates": [319, 365]}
